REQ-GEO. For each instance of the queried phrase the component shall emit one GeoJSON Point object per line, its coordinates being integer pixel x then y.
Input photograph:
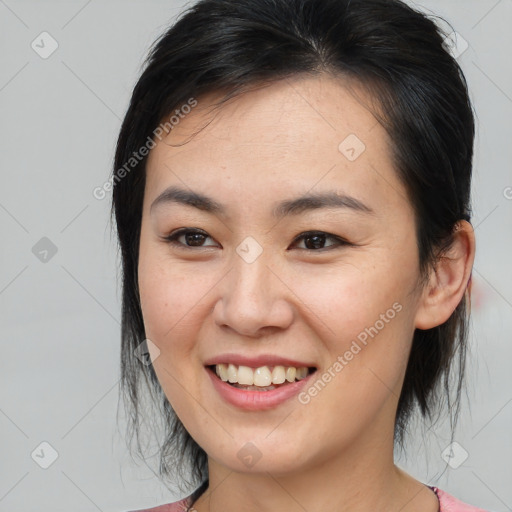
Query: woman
{"type": "Point", "coordinates": [291, 191]}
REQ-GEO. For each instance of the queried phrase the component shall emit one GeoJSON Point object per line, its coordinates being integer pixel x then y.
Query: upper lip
{"type": "Point", "coordinates": [256, 361]}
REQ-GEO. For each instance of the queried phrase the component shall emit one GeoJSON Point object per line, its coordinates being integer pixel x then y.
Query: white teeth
{"type": "Point", "coordinates": [232, 373]}
{"type": "Point", "coordinates": [291, 372]}
{"type": "Point", "coordinates": [222, 371]}
{"type": "Point", "coordinates": [278, 375]}
{"type": "Point", "coordinates": [245, 375]}
{"type": "Point", "coordinates": [261, 377]}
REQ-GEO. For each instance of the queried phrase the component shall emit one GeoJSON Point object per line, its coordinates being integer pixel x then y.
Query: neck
{"type": "Point", "coordinates": [362, 478]}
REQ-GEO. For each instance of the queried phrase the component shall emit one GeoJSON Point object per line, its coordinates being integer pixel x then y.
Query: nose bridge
{"type": "Point", "coordinates": [251, 280]}
{"type": "Point", "coordinates": [252, 297]}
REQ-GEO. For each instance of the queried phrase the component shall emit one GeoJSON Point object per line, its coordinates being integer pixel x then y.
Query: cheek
{"type": "Point", "coordinates": [349, 298]}
{"type": "Point", "coordinates": [171, 303]}
{"type": "Point", "coordinates": [366, 318]}
{"type": "Point", "coordinates": [175, 300]}
{"type": "Point", "coordinates": [159, 290]}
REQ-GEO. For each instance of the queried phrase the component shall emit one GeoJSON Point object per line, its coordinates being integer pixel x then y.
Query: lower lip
{"type": "Point", "coordinates": [256, 400]}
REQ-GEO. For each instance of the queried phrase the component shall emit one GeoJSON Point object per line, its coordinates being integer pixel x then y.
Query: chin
{"type": "Point", "coordinates": [259, 456]}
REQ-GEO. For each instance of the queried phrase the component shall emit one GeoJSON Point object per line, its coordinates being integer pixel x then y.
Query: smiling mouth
{"type": "Point", "coordinates": [263, 378]}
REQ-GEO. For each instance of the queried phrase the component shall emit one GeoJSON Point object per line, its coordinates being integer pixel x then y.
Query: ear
{"type": "Point", "coordinates": [449, 280]}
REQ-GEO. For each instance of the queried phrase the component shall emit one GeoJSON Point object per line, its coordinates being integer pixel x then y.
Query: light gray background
{"type": "Point", "coordinates": [60, 318]}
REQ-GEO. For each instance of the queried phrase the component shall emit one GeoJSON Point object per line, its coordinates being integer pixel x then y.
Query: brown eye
{"type": "Point", "coordinates": [186, 237]}
{"type": "Point", "coordinates": [316, 240]}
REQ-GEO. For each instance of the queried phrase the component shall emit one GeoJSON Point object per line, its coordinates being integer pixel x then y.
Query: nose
{"type": "Point", "coordinates": [254, 299]}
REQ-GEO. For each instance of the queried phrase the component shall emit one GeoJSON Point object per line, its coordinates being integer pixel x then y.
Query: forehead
{"type": "Point", "coordinates": [295, 134]}
{"type": "Point", "coordinates": [305, 107]}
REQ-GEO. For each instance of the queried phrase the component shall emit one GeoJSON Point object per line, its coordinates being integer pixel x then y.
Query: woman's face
{"type": "Point", "coordinates": [246, 285]}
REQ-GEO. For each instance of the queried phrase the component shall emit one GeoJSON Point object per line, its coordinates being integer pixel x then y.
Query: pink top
{"type": "Point", "coordinates": [447, 503]}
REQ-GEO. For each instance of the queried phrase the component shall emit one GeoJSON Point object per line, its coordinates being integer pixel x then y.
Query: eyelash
{"type": "Point", "coordinates": [172, 238]}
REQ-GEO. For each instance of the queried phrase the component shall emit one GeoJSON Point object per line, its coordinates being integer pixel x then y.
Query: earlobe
{"type": "Point", "coordinates": [449, 280]}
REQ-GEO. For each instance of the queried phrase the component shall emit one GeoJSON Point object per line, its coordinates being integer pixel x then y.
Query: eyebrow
{"type": "Point", "coordinates": [312, 201]}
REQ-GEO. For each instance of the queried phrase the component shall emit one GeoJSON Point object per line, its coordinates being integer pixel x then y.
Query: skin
{"type": "Point", "coordinates": [271, 144]}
